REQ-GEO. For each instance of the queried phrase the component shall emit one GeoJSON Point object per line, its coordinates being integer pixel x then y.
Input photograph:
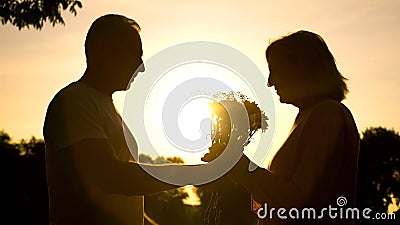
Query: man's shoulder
{"type": "Point", "coordinates": [72, 99]}
{"type": "Point", "coordinates": [72, 90]}
{"type": "Point", "coordinates": [72, 114]}
{"type": "Point", "coordinates": [74, 94]}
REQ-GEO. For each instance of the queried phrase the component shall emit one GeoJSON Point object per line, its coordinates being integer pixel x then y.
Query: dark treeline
{"type": "Point", "coordinates": [378, 183]}
{"type": "Point", "coordinates": [23, 182]}
{"type": "Point", "coordinates": [25, 201]}
{"type": "Point", "coordinates": [167, 208]}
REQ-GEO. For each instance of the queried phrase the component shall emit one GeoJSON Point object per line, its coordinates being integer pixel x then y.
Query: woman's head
{"type": "Point", "coordinates": [302, 68]}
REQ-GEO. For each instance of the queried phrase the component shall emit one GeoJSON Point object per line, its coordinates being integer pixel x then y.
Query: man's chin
{"type": "Point", "coordinates": [123, 88]}
{"type": "Point", "coordinates": [128, 86]}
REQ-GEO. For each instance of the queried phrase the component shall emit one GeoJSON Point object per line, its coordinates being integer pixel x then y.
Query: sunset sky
{"type": "Point", "coordinates": [363, 35]}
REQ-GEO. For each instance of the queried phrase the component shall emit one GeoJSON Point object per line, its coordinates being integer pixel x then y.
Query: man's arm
{"type": "Point", "coordinates": [93, 161]}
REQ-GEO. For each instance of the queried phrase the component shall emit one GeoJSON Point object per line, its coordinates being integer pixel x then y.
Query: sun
{"type": "Point", "coordinates": [195, 119]}
{"type": "Point", "coordinates": [177, 116]}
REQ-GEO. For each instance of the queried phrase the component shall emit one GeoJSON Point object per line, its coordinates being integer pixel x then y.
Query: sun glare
{"type": "Point", "coordinates": [194, 116]}
{"type": "Point", "coordinates": [192, 197]}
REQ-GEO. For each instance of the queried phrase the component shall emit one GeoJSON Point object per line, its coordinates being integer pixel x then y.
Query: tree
{"type": "Point", "coordinates": [26, 13]}
{"type": "Point", "coordinates": [379, 167]}
{"type": "Point", "coordinates": [23, 181]}
{"type": "Point", "coordinates": [167, 207]}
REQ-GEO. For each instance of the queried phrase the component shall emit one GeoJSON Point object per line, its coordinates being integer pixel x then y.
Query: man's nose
{"type": "Point", "coordinates": [141, 68]}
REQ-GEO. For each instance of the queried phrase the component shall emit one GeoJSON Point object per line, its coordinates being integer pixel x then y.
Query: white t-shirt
{"type": "Point", "coordinates": [76, 113]}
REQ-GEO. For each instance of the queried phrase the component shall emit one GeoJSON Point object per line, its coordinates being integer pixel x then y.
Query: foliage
{"type": "Point", "coordinates": [23, 181]}
{"type": "Point", "coordinates": [379, 167]}
{"type": "Point", "coordinates": [26, 13]}
{"type": "Point", "coordinates": [167, 207]}
{"type": "Point", "coordinates": [4, 137]}
{"type": "Point", "coordinates": [144, 158]}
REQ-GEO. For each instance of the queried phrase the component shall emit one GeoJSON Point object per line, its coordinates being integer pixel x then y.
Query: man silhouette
{"type": "Point", "coordinates": [92, 177]}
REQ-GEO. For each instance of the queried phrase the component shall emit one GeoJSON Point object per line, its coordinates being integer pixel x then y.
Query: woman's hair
{"type": "Point", "coordinates": [309, 53]}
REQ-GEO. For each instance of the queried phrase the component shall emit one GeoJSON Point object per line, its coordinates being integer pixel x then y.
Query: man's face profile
{"type": "Point", "coordinates": [130, 63]}
{"type": "Point", "coordinates": [114, 51]}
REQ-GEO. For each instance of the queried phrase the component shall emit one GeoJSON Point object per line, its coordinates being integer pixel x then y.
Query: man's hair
{"type": "Point", "coordinates": [309, 52]}
{"type": "Point", "coordinates": [109, 35]}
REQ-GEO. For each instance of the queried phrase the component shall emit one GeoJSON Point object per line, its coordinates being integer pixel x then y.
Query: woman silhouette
{"type": "Point", "coordinates": [317, 164]}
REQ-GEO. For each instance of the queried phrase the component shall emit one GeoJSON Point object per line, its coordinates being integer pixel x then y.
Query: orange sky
{"type": "Point", "coordinates": [362, 35]}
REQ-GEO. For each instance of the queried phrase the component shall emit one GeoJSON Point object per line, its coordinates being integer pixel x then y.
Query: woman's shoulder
{"type": "Point", "coordinates": [330, 107]}
{"type": "Point", "coordinates": [329, 111]}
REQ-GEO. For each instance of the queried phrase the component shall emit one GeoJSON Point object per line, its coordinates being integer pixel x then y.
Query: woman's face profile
{"type": "Point", "coordinates": [282, 76]}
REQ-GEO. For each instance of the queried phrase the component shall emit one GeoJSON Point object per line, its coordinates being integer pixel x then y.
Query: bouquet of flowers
{"type": "Point", "coordinates": [223, 128]}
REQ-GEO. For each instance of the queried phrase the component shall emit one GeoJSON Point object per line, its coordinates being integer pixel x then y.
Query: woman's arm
{"type": "Point", "coordinates": [266, 186]}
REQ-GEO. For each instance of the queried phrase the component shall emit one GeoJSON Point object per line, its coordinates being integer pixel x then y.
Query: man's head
{"type": "Point", "coordinates": [114, 50]}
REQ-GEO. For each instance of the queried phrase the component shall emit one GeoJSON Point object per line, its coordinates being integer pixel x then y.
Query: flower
{"type": "Point", "coordinates": [224, 127]}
